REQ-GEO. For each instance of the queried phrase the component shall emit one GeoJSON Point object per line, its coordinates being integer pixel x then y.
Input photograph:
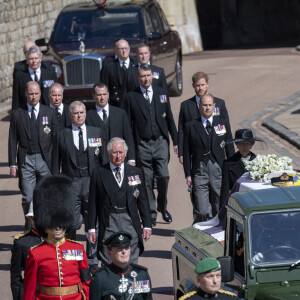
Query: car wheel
{"type": "Point", "coordinates": [176, 86]}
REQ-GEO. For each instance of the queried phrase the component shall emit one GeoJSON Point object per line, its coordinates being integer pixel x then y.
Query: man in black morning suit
{"type": "Point", "coordinates": [31, 135]}
{"type": "Point", "coordinates": [119, 74]}
{"type": "Point", "coordinates": [61, 110]}
{"type": "Point", "coordinates": [118, 199]}
{"type": "Point", "coordinates": [113, 121]}
{"type": "Point", "coordinates": [149, 113]}
{"type": "Point", "coordinates": [189, 109]}
{"type": "Point", "coordinates": [159, 79]}
{"type": "Point", "coordinates": [203, 156]}
{"type": "Point", "coordinates": [77, 151]}
{"type": "Point", "coordinates": [34, 71]}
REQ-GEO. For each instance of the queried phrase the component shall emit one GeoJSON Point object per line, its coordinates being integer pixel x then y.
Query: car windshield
{"type": "Point", "coordinates": [274, 237]}
{"type": "Point", "coordinates": [97, 25]}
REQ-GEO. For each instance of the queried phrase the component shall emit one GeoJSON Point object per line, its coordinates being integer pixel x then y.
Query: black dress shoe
{"type": "Point", "coordinates": [153, 222]}
{"type": "Point", "coordinates": [166, 216]}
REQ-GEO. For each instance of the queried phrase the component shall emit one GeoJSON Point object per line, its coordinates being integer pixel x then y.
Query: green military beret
{"type": "Point", "coordinates": [207, 265]}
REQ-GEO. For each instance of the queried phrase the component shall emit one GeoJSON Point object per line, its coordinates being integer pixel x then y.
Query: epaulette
{"type": "Point", "coordinates": [37, 245]}
{"type": "Point", "coordinates": [74, 241]}
{"type": "Point", "coordinates": [227, 293]}
{"type": "Point", "coordinates": [187, 295]}
{"type": "Point", "coordinates": [21, 234]}
{"type": "Point", "coordinates": [139, 267]}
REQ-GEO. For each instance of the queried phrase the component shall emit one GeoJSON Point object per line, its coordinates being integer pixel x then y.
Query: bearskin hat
{"type": "Point", "coordinates": [53, 204]}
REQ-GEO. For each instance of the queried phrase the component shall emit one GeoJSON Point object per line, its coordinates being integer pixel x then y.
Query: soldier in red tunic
{"type": "Point", "coordinates": [59, 266]}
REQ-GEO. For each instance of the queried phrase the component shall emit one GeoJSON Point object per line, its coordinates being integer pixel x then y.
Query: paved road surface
{"type": "Point", "coordinates": [249, 80]}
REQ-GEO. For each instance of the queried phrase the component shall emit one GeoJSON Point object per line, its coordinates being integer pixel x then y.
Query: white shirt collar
{"type": "Point", "coordinates": [38, 71]}
{"type": "Point", "coordinates": [150, 90]}
{"type": "Point", "coordinates": [37, 107]}
{"type": "Point", "coordinates": [204, 120]}
{"type": "Point", "coordinates": [121, 166]}
{"type": "Point", "coordinates": [75, 128]}
{"type": "Point", "coordinates": [60, 108]}
{"type": "Point", "coordinates": [100, 108]}
{"type": "Point", "coordinates": [127, 61]}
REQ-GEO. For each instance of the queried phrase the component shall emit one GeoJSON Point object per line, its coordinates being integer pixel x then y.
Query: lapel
{"type": "Point", "coordinates": [96, 118]}
{"type": "Point", "coordinates": [156, 104]}
{"type": "Point", "coordinates": [68, 136]}
{"type": "Point", "coordinates": [117, 71]}
{"type": "Point", "coordinates": [193, 108]}
{"type": "Point", "coordinates": [107, 179]}
{"type": "Point", "coordinates": [140, 100]}
{"type": "Point", "coordinates": [90, 150]}
{"type": "Point", "coordinates": [25, 120]}
{"type": "Point", "coordinates": [201, 131]}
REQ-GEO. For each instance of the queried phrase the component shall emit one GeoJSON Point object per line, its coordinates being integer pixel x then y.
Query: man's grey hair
{"type": "Point", "coordinates": [116, 140]}
{"type": "Point", "coordinates": [75, 104]}
{"type": "Point", "coordinates": [143, 67]}
{"type": "Point", "coordinates": [34, 50]}
{"type": "Point", "coordinates": [55, 85]}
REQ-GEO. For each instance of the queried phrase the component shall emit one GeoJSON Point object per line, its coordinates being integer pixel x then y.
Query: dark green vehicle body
{"type": "Point", "coordinates": [264, 223]}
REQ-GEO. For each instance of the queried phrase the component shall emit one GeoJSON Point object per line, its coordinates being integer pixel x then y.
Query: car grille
{"type": "Point", "coordinates": [82, 70]}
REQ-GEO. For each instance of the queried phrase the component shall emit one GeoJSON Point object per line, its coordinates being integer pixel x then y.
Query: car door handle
{"type": "Point", "coordinates": [163, 43]}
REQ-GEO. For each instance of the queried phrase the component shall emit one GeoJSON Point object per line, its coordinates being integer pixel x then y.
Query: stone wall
{"type": "Point", "coordinates": [22, 21]}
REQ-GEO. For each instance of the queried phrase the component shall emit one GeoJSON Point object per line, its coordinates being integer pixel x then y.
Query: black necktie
{"type": "Point", "coordinates": [35, 77]}
{"type": "Point", "coordinates": [124, 65]}
{"type": "Point", "coordinates": [208, 127]}
{"type": "Point", "coordinates": [118, 174]}
{"type": "Point", "coordinates": [81, 146]}
{"type": "Point", "coordinates": [57, 113]}
{"type": "Point", "coordinates": [33, 118]}
{"type": "Point", "coordinates": [104, 116]}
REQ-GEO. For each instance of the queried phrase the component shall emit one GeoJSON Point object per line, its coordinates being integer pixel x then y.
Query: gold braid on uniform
{"type": "Point", "coordinates": [21, 234]}
{"type": "Point", "coordinates": [37, 245]}
{"type": "Point", "coordinates": [226, 292]}
{"type": "Point", "coordinates": [187, 295]}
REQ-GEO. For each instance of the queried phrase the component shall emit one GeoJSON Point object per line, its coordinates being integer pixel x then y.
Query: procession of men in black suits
{"type": "Point", "coordinates": [114, 151]}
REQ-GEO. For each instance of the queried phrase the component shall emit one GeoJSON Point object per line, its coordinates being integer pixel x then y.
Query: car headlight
{"type": "Point", "coordinates": [58, 70]}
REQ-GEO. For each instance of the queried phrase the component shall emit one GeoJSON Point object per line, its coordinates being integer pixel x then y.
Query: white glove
{"type": "Point", "coordinates": [258, 257]}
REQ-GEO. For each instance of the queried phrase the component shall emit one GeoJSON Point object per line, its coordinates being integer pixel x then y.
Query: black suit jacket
{"type": "Point", "coordinates": [22, 76]}
{"type": "Point", "coordinates": [233, 169]}
{"type": "Point", "coordinates": [138, 117]}
{"type": "Point", "coordinates": [64, 120]}
{"type": "Point", "coordinates": [189, 111]}
{"type": "Point", "coordinates": [118, 85]}
{"type": "Point", "coordinates": [117, 126]}
{"type": "Point", "coordinates": [196, 144]}
{"type": "Point", "coordinates": [64, 155]}
{"type": "Point", "coordinates": [100, 204]}
{"type": "Point", "coordinates": [19, 135]}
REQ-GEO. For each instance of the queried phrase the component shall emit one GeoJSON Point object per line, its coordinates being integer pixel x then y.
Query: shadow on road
{"type": "Point", "coordinates": [9, 193]}
{"type": "Point", "coordinates": [5, 247]}
{"type": "Point", "coordinates": [4, 267]}
{"type": "Point", "coordinates": [12, 228]}
{"type": "Point", "coordinates": [165, 290]}
{"type": "Point", "coordinates": [163, 232]}
{"type": "Point", "coordinates": [80, 238]}
{"type": "Point", "coordinates": [166, 254]}
{"type": "Point", "coordinates": [4, 176]}
{"type": "Point", "coordinates": [296, 112]}
{"type": "Point", "coordinates": [4, 164]}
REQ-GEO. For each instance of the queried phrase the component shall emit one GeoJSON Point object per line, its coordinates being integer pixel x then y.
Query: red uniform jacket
{"type": "Point", "coordinates": [55, 266]}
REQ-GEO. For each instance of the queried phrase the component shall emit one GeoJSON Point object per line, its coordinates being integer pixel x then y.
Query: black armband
{"type": "Point", "coordinates": [85, 274]}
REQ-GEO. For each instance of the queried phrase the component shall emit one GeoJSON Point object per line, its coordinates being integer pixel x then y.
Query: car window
{"type": "Point", "coordinates": [164, 21]}
{"type": "Point", "coordinates": [97, 25]}
{"type": "Point", "coordinates": [155, 18]}
{"type": "Point", "coordinates": [148, 23]}
{"type": "Point", "coordinates": [274, 237]}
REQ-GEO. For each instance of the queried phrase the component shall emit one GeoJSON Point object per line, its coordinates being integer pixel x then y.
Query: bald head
{"type": "Point", "coordinates": [27, 46]}
{"type": "Point", "coordinates": [33, 93]}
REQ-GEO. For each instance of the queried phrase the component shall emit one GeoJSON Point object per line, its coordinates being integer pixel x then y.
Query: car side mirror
{"type": "Point", "coordinates": [226, 263]}
{"type": "Point", "coordinates": [41, 42]}
{"type": "Point", "coordinates": [154, 35]}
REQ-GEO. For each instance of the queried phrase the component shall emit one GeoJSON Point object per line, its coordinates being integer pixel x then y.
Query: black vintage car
{"type": "Point", "coordinates": [84, 34]}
